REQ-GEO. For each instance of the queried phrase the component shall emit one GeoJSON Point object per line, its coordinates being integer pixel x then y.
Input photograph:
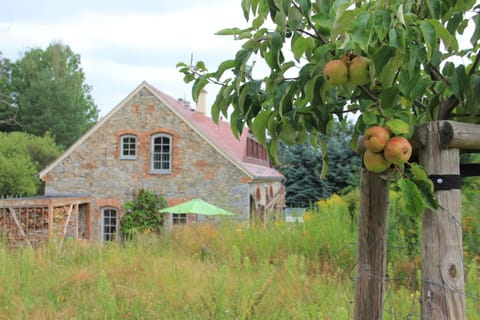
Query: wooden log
{"type": "Point", "coordinates": [442, 294]}
{"type": "Point", "coordinates": [451, 134]}
{"type": "Point", "coordinates": [372, 247]}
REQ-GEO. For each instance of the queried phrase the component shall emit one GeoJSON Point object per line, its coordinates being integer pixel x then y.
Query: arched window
{"type": "Point", "coordinates": [128, 146]}
{"type": "Point", "coordinates": [110, 224]}
{"type": "Point", "coordinates": [161, 157]}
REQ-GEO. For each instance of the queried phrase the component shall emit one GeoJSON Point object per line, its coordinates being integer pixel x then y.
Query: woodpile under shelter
{"type": "Point", "coordinates": [35, 220]}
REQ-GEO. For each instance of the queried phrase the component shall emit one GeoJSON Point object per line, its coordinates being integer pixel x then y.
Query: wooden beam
{"type": "Point", "coordinates": [372, 247]}
{"type": "Point", "coordinates": [452, 134]}
{"type": "Point", "coordinates": [442, 294]}
{"type": "Point", "coordinates": [460, 135]}
{"type": "Point", "coordinates": [65, 227]}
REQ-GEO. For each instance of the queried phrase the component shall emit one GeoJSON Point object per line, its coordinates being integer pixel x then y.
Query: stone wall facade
{"type": "Point", "coordinates": [94, 167]}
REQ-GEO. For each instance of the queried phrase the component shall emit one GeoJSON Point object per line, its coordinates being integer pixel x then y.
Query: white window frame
{"type": "Point", "coordinates": [179, 218]}
{"type": "Point", "coordinates": [116, 226]}
{"type": "Point", "coordinates": [122, 145]}
{"type": "Point", "coordinates": [164, 156]}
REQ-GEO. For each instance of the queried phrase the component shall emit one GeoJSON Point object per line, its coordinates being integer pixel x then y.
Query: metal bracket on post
{"type": "Point", "coordinates": [446, 181]}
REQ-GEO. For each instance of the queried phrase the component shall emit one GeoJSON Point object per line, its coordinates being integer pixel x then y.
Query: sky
{"type": "Point", "coordinates": [122, 42]}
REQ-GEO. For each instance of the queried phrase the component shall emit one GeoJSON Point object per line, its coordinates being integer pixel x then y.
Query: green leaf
{"type": "Point", "coordinates": [224, 65]}
{"type": "Point", "coordinates": [362, 29]}
{"type": "Point", "coordinates": [322, 22]}
{"type": "Point", "coordinates": [399, 127]}
{"type": "Point", "coordinates": [272, 147]}
{"type": "Point", "coordinates": [420, 88]}
{"type": "Point", "coordinates": [459, 82]}
{"type": "Point", "coordinates": [449, 40]}
{"type": "Point", "coordinates": [383, 23]}
{"type": "Point", "coordinates": [236, 123]}
{"type": "Point", "coordinates": [382, 57]}
{"type": "Point", "coordinates": [242, 98]}
{"type": "Point", "coordinates": [288, 134]}
{"type": "Point", "coordinates": [397, 39]}
{"type": "Point", "coordinates": [473, 95]}
{"type": "Point", "coordinates": [198, 85]}
{"type": "Point", "coordinates": [425, 187]}
{"type": "Point", "coordinates": [414, 203]}
{"type": "Point", "coordinates": [300, 45]}
{"type": "Point", "coordinates": [229, 32]}
{"type": "Point", "coordinates": [400, 15]}
{"type": "Point", "coordinates": [388, 97]}
{"type": "Point", "coordinates": [323, 149]}
{"type": "Point", "coordinates": [259, 126]}
{"type": "Point", "coordinates": [343, 19]}
{"type": "Point", "coordinates": [246, 8]}
{"type": "Point", "coordinates": [430, 37]}
{"type": "Point", "coordinates": [305, 6]}
{"type": "Point", "coordinates": [242, 57]}
{"type": "Point", "coordinates": [476, 33]}
{"type": "Point", "coordinates": [369, 118]}
{"type": "Point", "coordinates": [258, 22]}
{"type": "Point", "coordinates": [418, 172]}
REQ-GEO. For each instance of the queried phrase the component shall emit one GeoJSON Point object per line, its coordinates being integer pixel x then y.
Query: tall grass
{"type": "Point", "coordinates": [230, 271]}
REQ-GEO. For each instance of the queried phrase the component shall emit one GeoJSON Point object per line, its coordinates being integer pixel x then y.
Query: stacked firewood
{"type": "Point", "coordinates": [60, 217]}
{"type": "Point", "coordinates": [24, 225]}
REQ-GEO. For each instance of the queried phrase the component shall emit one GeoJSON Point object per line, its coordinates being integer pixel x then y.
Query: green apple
{"type": "Point", "coordinates": [359, 72]}
{"type": "Point", "coordinates": [375, 161]}
{"type": "Point", "coordinates": [336, 72]}
{"type": "Point", "coordinates": [375, 138]}
{"type": "Point", "coordinates": [398, 150]}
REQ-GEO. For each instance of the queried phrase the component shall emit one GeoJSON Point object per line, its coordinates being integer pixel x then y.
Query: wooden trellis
{"type": "Point", "coordinates": [32, 221]}
{"type": "Point", "coordinates": [438, 145]}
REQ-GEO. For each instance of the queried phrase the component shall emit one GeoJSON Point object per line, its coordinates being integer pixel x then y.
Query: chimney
{"type": "Point", "coordinates": [202, 102]}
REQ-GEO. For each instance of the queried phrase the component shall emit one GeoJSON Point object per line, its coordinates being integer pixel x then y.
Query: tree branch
{"type": "Point", "coordinates": [209, 79]}
{"type": "Point", "coordinates": [436, 75]}
{"type": "Point", "coordinates": [475, 64]}
{"type": "Point", "coordinates": [310, 24]}
{"type": "Point", "coordinates": [374, 98]}
{"type": "Point", "coordinates": [446, 107]}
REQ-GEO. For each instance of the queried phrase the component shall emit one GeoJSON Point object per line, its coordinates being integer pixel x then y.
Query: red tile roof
{"type": "Point", "coordinates": [222, 137]}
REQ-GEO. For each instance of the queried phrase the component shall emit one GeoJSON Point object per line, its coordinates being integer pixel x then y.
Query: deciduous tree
{"type": "Point", "coordinates": [413, 52]}
{"type": "Point", "coordinates": [46, 91]}
{"type": "Point", "coordinates": [21, 157]}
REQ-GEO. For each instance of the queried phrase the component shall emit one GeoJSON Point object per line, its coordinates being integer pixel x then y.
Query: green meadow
{"type": "Point", "coordinates": [224, 271]}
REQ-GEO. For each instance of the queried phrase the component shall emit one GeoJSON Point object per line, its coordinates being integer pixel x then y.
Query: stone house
{"type": "Point", "coordinates": [154, 142]}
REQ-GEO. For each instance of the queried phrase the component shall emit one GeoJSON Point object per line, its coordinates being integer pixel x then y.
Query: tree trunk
{"type": "Point", "coordinates": [442, 253]}
{"type": "Point", "coordinates": [372, 247]}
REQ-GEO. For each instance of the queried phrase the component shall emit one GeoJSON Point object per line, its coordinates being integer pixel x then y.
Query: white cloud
{"type": "Point", "coordinates": [119, 49]}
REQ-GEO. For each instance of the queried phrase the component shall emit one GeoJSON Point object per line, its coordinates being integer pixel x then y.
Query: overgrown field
{"type": "Point", "coordinates": [231, 271]}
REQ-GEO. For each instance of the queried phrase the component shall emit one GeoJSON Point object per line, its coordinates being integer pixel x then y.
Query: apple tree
{"type": "Point", "coordinates": [389, 63]}
{"type": "Point", "coordinates": [393, 64]}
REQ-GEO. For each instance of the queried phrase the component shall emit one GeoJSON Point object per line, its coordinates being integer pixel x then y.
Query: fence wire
{"type": "Point", "coordinates": [414, 283]}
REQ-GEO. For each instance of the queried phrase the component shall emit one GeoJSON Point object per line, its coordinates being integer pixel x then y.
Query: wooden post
{"type": "Point", "coordinates": [20, 229]}
{"type": "Point", "coordinates": [65, 227]}
{"type": "Point", "coordinates": [442, 253]}
{"type": "Point", "coordinates": [372, 247]}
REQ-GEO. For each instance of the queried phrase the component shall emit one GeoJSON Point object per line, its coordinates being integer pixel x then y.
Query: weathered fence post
{"type": "Point", "coordinates": [372, 247]}
{"type": "Point", "coordinates": [442, 294]}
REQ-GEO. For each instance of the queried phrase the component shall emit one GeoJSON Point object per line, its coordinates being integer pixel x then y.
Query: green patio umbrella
{"type": "Point", "coordinates": [197, 206]}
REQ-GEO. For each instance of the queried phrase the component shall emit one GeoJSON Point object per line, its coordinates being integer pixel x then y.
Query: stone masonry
{"type": "Point", "coordinates": [93, 166]}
